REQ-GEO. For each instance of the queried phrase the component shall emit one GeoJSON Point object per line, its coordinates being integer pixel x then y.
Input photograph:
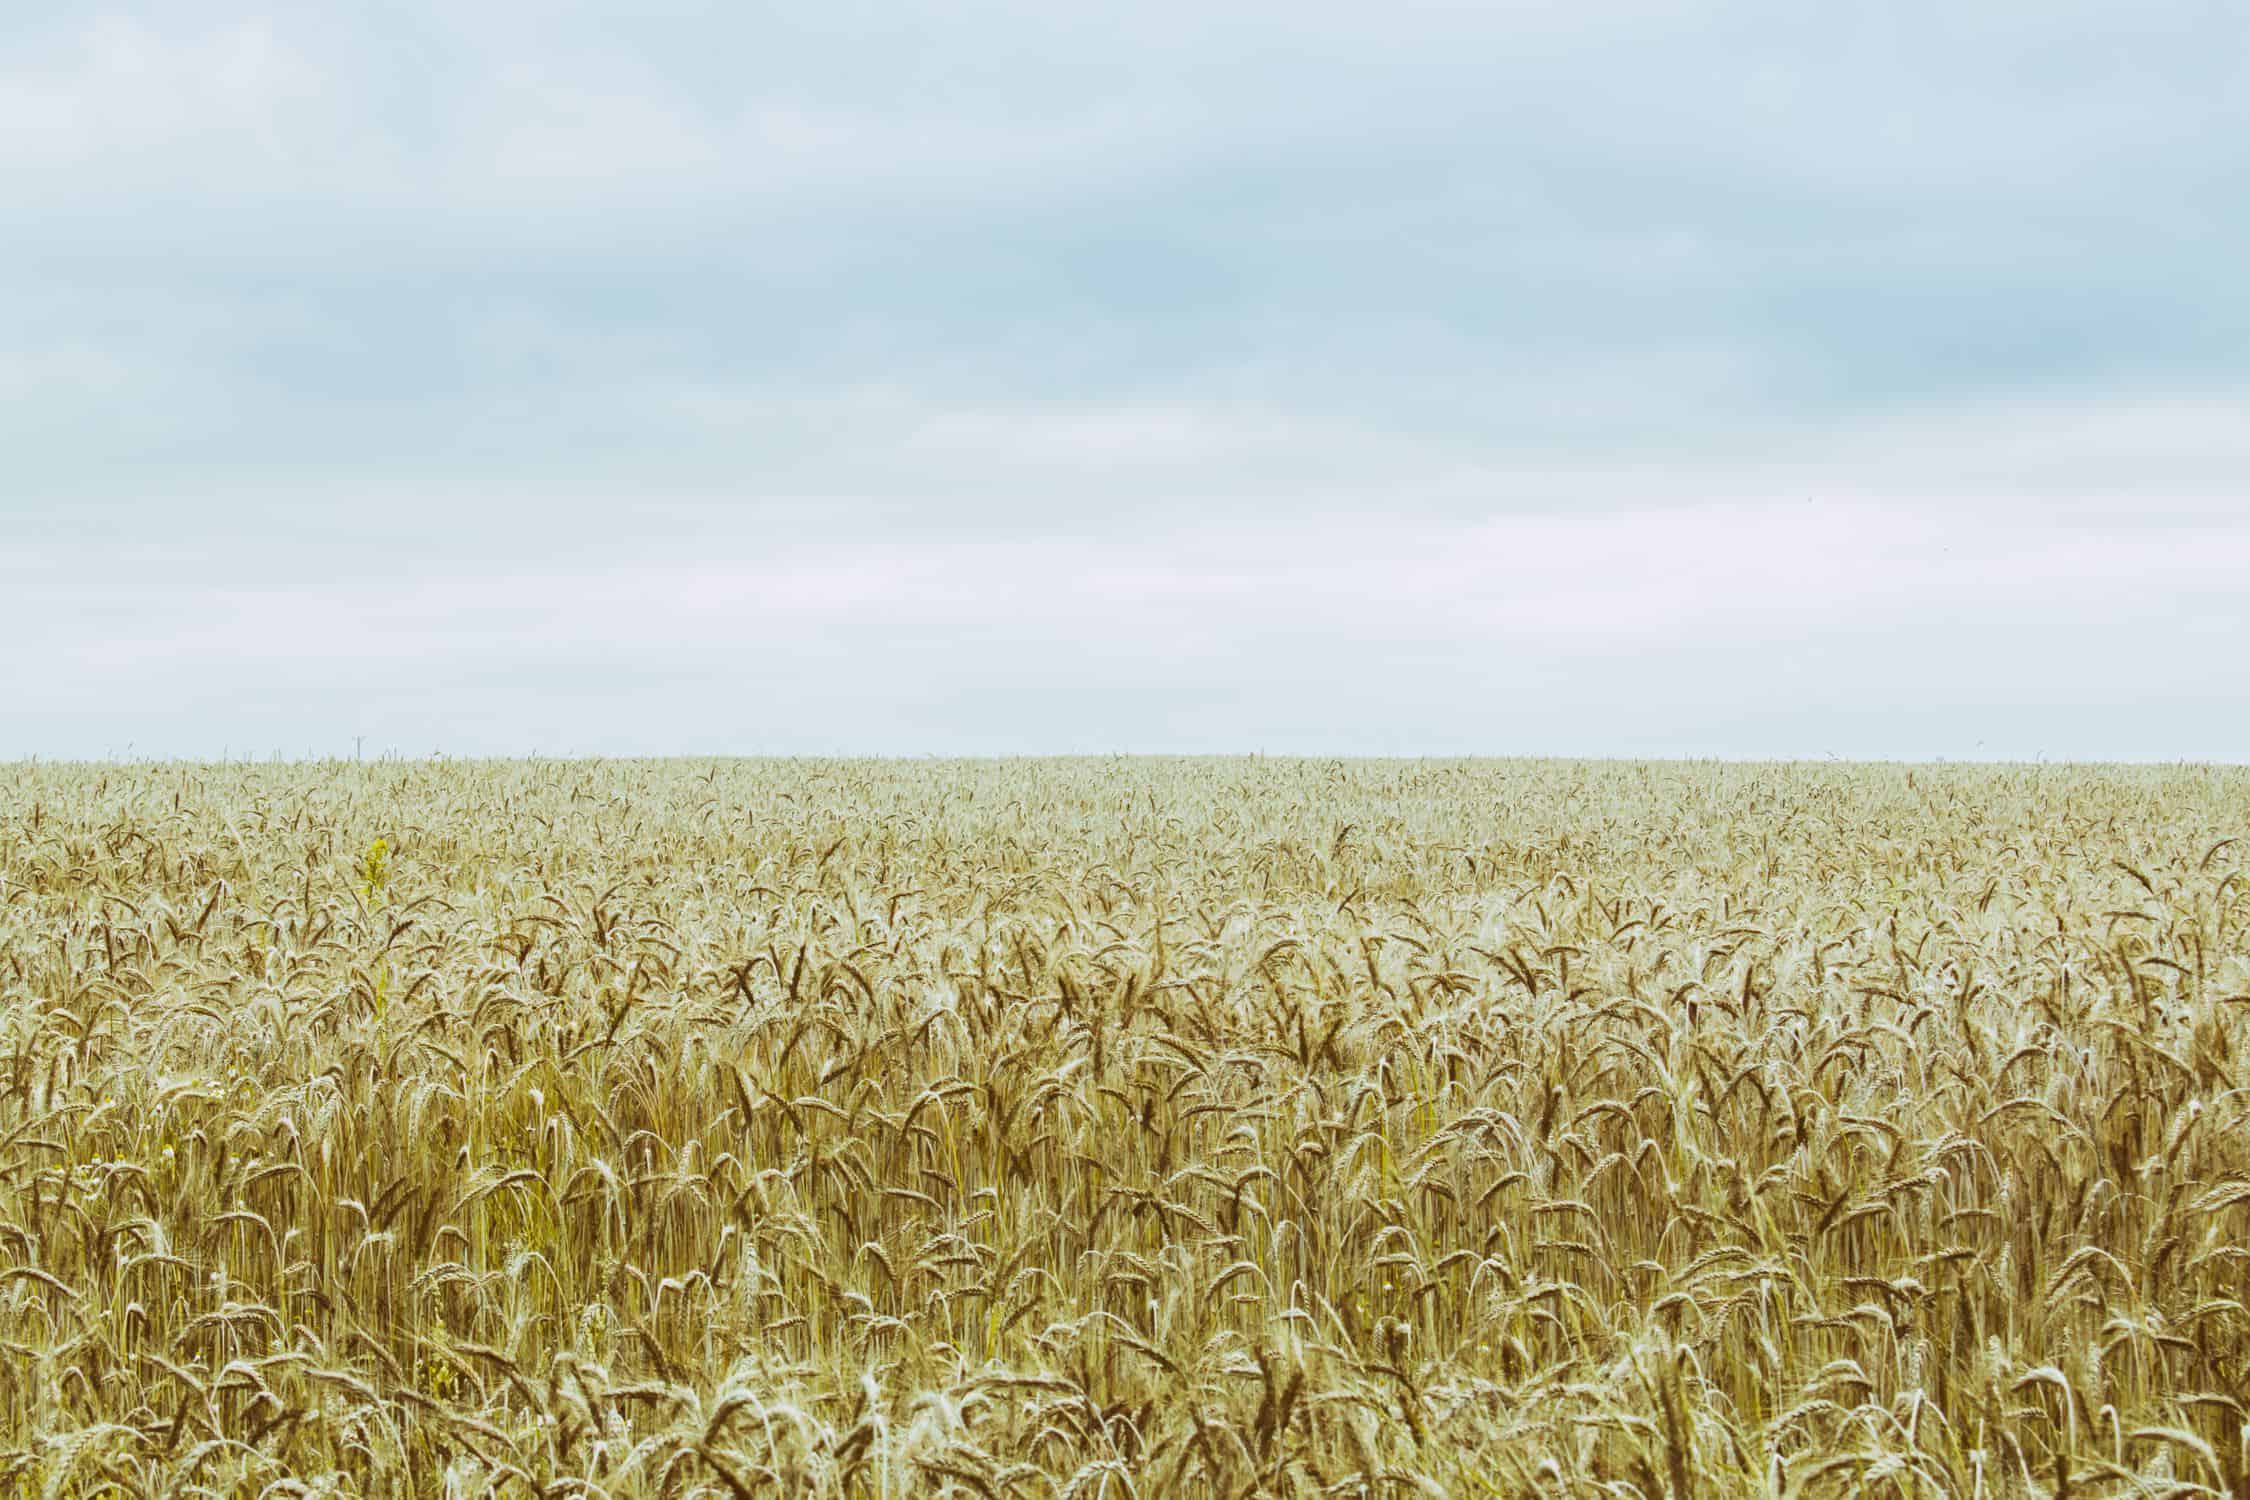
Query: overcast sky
{"type": "Point", "coordinates": [1639, 378]}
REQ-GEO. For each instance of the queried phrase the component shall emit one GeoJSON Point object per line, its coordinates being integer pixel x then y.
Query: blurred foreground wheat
{"type": "Point", "coordinates": [1123, 1128]}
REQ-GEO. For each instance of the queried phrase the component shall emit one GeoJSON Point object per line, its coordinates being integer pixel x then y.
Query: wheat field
{"type": "Point", "coordinates": [1123, 1127]}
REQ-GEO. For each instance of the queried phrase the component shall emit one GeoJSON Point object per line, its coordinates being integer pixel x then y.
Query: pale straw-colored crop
{"type": "Point", "coordinates": [1124, 1127]}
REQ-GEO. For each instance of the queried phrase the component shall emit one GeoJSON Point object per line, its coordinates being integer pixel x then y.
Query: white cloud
{"type": "Point", "coordinates": [118, 92]}
{"type": "Point", "coordinates": [1038, 367]}
{"type": "Point", "coordinates": [2159, 449]}
{"type": "Point", "coordinates": [1890, 593]}
{"type": "Point", "coordinates": [1133, 433]}
{"type": "Point", "coordinates": [65, 371]}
